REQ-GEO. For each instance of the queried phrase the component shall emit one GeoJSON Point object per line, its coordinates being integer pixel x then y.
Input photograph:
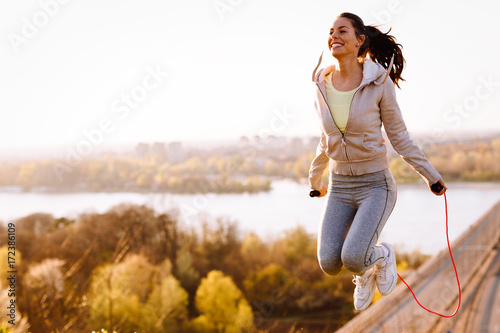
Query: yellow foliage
{"type": "Point", "coordinates": [222, 306]}
{"type": "Point", "coordinates": [403, 266]}
{"type": "Point", "coordinates": [4, 264]}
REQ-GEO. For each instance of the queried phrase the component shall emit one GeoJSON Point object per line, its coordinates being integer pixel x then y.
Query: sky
{"type": "Point", "coordinates": [93, 74]}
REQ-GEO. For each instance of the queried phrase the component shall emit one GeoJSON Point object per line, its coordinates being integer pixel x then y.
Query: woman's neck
{"type": "Point", "coordinates": [348, 75]}
{"type": "Point", "coordinates": [349, 68]}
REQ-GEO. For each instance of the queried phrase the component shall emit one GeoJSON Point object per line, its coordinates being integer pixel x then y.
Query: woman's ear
{"type": "Point", "coordinates": [361, 39]}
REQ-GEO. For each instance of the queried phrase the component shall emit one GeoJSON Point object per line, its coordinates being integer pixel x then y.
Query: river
{"type": "Point", "coordinates": [417, 222]}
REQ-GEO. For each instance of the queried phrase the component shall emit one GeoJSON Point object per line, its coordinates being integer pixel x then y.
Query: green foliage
{"type": "Point", "coordinates": [222, 306]}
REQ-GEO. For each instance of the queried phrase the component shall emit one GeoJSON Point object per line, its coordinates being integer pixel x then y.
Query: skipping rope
{"type": "Point", "coordinates": [315, 193]}
{"type": "Point", "coordinates": [454, 267]}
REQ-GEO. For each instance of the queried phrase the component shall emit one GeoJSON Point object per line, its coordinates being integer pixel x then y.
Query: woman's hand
{"type": "Point", "coordinates": [441, 185]}
{"type": "Point", "coordinates": [323, 191]}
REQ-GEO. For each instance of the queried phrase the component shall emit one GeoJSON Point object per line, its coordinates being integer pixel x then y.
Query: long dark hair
{"type": "Point", "coordinates": [379, 46]}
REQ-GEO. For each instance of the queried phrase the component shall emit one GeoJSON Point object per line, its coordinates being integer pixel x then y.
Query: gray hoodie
{"type": "Point", "coordinates": [361, 149]}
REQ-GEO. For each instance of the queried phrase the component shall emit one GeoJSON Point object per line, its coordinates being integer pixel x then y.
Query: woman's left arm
{"type": "Point", "coordinates": [397, 133]}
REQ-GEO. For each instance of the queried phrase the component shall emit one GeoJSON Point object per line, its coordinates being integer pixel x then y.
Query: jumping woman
{"type": "Point", "coordinates": [354, 98]}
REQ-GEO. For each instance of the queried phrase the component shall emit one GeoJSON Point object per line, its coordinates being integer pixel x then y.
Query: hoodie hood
{"type": "Point", "coordinates": [372, 72]}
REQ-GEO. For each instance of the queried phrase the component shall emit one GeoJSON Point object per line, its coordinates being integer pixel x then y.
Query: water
{"type": "Point", "coordinates": [417, 222]}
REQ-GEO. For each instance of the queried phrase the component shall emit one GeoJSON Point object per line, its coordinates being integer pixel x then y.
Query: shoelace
{"type": "Point", "coordinates": [361, 283]}
{"type": "Point", "coordinates": [382, 271]}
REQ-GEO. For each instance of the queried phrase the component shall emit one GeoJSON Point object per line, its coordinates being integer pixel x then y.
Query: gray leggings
{"type": "Point", "coordinates": [355, 212]}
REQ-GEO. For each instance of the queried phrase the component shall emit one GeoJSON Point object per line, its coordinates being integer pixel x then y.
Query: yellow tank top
{"type": "Point", "coordinates": [339, 103]}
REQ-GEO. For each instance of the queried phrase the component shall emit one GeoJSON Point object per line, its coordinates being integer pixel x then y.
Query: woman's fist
{"type": "Point", "coordinates": [438, 188]}
{"type": "Point", "coordinates": [323, 191]}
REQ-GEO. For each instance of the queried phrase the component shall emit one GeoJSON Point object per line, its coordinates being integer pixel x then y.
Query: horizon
{"type": "Point", "coordinates": [58, 152]}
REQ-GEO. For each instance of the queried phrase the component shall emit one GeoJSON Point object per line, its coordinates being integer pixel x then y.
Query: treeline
{"type": "Point", "coordinates": [128, 173]}
{"type": "Point", "coordinates": [250, 168]}
{"type": "Point", "coordinates": [132, 269]}
{"type": "Point", "coordinates": [467, 161]}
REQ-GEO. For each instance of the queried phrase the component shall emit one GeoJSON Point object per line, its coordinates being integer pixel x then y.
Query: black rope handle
{"type": "Point", "coordinates": [314, 193]}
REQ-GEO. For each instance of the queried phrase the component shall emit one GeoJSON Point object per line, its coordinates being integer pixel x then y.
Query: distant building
{"type": "Point", "coordinates": [312, 143]}
{"type": "Point", "coordinates": [159, 150]}
{"type": "Point", "coordinates": [175, 154]}
{"type": "Point", "coordinates": [142, 150]}
{"type": "Point", "coordinates": [297, 146]}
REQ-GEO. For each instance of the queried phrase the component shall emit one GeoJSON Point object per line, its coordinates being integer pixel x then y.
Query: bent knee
{"type": "Point", "coordinates": [330, 266]}
{"type": "Point", "coordinates": [355, 262]}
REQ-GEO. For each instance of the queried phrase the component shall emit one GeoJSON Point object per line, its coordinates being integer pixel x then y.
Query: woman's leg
{"type": "Point", "coordinates": [376, 200]}
{"type": "Point", "coordinates": [336, 220]}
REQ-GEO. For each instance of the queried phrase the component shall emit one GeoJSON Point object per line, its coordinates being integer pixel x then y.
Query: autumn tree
{"type": "Point", "coordinates": [222, 305]}
{"type": "Point", "coordinates": [116, 294]}
{"type": "Point", "coordinates": [44, 285]}
{"type": "Point", "coordinates": [267, 288]}
{"type": "Point", "coordinates": [167, 307]}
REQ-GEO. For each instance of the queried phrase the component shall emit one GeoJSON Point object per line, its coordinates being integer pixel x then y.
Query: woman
{"type": "Point", "coordinates": [354, 99]}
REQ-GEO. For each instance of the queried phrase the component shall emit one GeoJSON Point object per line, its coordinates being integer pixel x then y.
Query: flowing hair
{"type": "Point", "coordinates": [381, 47]}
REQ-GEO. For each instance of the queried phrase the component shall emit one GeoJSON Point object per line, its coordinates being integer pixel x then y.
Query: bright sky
{"type": "Point", "coordinates": [161, 70]}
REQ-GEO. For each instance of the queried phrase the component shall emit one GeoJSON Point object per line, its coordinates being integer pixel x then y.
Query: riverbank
{"type": "Point", "coordinates": [266, 187]}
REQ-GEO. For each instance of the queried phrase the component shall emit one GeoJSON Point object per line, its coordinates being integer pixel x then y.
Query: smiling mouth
{"type": "Point", "coordinates": [336, 45]}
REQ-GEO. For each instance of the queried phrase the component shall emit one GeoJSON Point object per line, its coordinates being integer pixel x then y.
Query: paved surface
{"type": "Point", "coordinates": [481, 305]}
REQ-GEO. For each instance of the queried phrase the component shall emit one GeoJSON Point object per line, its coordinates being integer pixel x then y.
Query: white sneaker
{"type": "Point", "coordinates": [365, 289]}
{"type": "Point", "coordinates": [386, 272]}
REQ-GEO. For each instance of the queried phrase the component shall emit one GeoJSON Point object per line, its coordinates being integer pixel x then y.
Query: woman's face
{"type": "Point", "coordinates": [342, 40]}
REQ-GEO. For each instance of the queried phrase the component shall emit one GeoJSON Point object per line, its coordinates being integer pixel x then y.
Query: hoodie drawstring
{"type": "Point", "coordinates": [385, 78]}
{"type": "Point", "coordinates": [389, 69]}
{"type": "Point", "coordinates": [314, 72]}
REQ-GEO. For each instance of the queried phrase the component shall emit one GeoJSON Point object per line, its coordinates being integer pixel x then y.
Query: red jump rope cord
{"type": "Point", "coordinates": [454, 267]}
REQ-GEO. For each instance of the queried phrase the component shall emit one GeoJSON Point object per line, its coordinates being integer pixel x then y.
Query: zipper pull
{"type": "Point", "coordinates": [343, 141]}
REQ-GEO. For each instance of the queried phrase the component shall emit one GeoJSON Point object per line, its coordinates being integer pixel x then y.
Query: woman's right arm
{"type": "Point", "coordinates": [318, 165]}
{"type": "Point", "coordinates": [397, 133]}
